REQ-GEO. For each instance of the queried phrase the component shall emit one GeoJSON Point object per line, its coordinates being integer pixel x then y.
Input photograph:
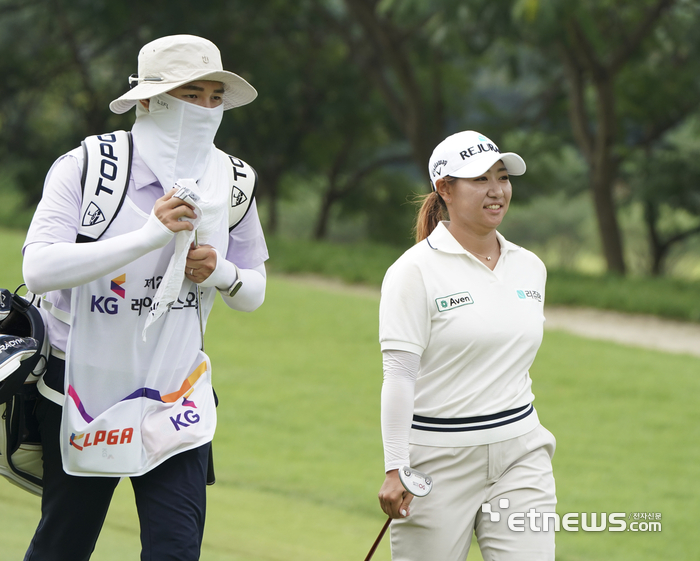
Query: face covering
{"type": "Point", "coordinates": [175, 138]}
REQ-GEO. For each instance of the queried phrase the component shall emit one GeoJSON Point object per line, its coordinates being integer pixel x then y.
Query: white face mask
{"type": "Point", "coordinates": [175, 137]}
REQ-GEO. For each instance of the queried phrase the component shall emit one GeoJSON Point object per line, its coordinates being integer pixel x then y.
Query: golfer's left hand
{"type": "Point", "coordinates": [201, 262]}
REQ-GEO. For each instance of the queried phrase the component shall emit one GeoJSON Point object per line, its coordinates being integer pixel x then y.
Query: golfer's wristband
{"type": "Point", "coordinates": [252, 292]}
{"type": "Point", "coordinates": [235, 286]}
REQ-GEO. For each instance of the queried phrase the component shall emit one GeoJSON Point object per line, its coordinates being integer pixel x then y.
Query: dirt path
{"type": "Point", "coordinates": [637, 330]}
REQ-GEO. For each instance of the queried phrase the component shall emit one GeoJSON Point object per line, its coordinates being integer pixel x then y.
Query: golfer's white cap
{"type": "Point", "coordinates": [469, 154]}
{"type": "Point", "coordinates": [170, 62]}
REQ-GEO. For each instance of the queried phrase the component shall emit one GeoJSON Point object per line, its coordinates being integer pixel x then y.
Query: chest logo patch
{"type": "Point", "coordinates": [529, 294]}
{"type": "Point", "coordinates": [447, 303]}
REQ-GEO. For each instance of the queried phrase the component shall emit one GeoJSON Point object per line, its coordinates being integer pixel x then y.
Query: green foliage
{"type": "Point", "coordinates": [553, 168]}
{"type": "Point", "coordinates": [552, 224]}
{"type": "Point", "coordinates": [11, 242]}
{"type": "Point", "coordinates": [655, 296]}
{"type": "Point", "coordinates": [353, 94]}
{"type": "Point", "coordinates": [367, 263]}
{"type": "Point", "coordinates": [353, 263]}
{"type": "Point", "coordinates": [668, 174]}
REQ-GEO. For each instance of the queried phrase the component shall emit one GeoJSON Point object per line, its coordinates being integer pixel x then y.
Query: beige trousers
{"type": "Point", "coordinates": [513, 479]}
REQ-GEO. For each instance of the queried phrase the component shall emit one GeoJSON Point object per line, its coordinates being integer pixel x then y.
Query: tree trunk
{"type": "Point", "coordinates": [419, 118]}
{"type": "Point", "coordinates": [608, 228]}
{"type": "Point", "coordinates": [603, 174]}
{"type": "Point", "coordinates": [268, 189]}
{"type": "Point", "coordinates": [657, 248]}
{"type": "Point", "coordinates": [324, 214]}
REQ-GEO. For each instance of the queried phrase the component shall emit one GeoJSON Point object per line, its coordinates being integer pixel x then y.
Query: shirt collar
{"type": "Point", "coordinates": [441, 240]}
{"type": "Point", "coordinates": [141, 174]}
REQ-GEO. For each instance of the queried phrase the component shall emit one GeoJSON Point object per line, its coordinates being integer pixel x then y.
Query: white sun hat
{"type": "Point", "coordinates": [170, 62]}
{"type": "Point", "coordinates": [470, 154]}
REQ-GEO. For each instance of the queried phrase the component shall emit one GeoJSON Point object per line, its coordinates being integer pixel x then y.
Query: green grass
{"type": "Point", "coordinates": [298, 448]}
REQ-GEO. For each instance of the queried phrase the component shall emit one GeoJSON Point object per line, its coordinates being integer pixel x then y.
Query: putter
{"type": "Point", "coordinates": [184, 193]}
{"type": "Point", "coordinates": [199, 299]}
{"type": "Point", "coordinates": [416, 483]}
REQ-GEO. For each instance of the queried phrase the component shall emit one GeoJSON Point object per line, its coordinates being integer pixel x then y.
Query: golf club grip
{"type": "Point", "coordinates": [379, 538]}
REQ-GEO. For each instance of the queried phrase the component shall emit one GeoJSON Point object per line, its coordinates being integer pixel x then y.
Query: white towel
{"type": "Point", "coordinates": [212, 211]}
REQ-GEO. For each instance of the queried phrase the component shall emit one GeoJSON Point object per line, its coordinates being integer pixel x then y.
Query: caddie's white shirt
{"type": "Point", "coordinates": [477, 332]}
{"type": "Point", "coordinates": [57, 219]}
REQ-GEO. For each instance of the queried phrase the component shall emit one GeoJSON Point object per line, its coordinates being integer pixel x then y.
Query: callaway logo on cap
{"type": "Point", "coordinates": [469, 154]}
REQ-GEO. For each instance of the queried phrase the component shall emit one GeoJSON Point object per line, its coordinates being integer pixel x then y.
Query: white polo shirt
{"type": "Point", "coordinates": [477, 332]}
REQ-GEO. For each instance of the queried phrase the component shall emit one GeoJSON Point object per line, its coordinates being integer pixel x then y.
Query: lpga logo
{"type": "Point", "coordinates": [111, 438]}
{"type": "Point", "coordinates": [571, 521]}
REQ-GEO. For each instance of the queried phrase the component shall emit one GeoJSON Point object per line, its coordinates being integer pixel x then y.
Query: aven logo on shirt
{"type": "Point", "coordinates": [447, 303]}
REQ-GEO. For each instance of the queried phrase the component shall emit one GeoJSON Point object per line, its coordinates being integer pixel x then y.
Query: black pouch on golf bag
{"type": "Point", "coordinates": [23, 359]}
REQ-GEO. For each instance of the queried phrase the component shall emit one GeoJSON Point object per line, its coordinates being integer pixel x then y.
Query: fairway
{"type": "Point", "coordinates": [298, 448]}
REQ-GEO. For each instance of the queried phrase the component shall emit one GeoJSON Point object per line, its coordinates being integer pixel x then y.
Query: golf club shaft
{"type": "Point", "coordinates": [379, 539]}
{"type": "Point", "coordinates": [199, 299]}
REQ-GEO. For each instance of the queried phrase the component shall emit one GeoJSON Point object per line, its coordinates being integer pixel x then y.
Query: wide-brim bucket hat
{"type": "Point", "coordinates": [173, 61]}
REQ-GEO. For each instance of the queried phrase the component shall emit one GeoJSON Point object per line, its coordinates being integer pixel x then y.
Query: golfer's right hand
{"type": "Point", "coordinates": [393, 497]}
{"type": "Point", "coordinates": [169, 210]}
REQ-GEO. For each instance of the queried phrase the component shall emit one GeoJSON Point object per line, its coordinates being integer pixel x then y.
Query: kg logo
{"type": "Point", "coordinates": [116, 286]}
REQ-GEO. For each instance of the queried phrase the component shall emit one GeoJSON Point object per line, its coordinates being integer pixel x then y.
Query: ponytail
{"type": "Point", "coordinates": [431, 212]}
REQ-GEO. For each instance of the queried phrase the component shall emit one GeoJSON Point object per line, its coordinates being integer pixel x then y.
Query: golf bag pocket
{"type": "Point", "coordinates": [139, 432]}
{"type": "Point", "coordinates": [23, 352]}
{"type": "Point", "coordinates": [20, 444]}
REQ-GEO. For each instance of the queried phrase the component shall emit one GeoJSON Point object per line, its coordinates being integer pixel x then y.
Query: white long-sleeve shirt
{"type": "Point", "coordinates": [56, 221]}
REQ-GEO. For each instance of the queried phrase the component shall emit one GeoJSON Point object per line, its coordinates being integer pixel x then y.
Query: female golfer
{"type": "Point", "coordinates": [461, 319]}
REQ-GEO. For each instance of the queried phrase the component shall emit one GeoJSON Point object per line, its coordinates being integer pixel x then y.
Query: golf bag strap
{"type": "Point", "coordinates": [105, 179]}
{"type": "Point", "coordinates": [243, 180]}
{"type": "Point", "coordinates": [106, 173]}
{"type": "Point", "coordinates": [49, 393]}
{"type": "Point", "coordinates": [60, 315]}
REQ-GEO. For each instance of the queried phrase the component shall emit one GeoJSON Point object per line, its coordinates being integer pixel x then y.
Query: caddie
{"type": "Point", "coordinates": [128, 389]}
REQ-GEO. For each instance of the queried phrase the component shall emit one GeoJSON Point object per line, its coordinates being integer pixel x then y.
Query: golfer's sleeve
{"type": "Point", "coordinates": [400, 371]}
{"type": "Point", "coordinates": [57, 266]}
{"type": "Point", "coordinates": [404, 320]}
{"type": "Point", "coordinates": [52, 259]}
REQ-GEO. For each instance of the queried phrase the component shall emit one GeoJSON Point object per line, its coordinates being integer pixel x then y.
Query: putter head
{"type": "Point", "coordinates": [186, 194]}
{"type": "Point", "coordinates": [415, 482]}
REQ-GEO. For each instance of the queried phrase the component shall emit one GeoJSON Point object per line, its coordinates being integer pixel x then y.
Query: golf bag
{"type": "Point", "coordinates": [23, 359]}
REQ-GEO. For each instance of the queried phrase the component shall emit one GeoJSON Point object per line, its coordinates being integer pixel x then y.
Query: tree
{"type": "Point", "coordinates": [414, 54]}
{"type": "Point", "coordinates": [600, 44]}
{"type": "Point", "coordinates": [666, 177]}
{"type": "Point", "coordinates": [60, 62]}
